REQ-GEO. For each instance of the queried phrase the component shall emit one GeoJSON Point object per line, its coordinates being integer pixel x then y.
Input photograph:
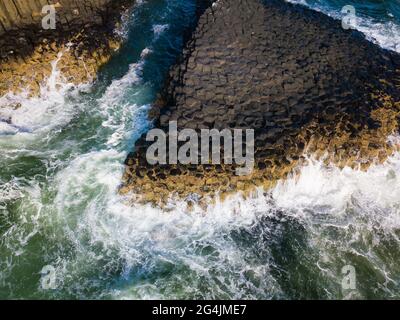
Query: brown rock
{"type": "Point", "coordinates": [305, 85]}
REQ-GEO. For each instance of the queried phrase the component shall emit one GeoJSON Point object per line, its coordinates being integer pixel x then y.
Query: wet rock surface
{"type": "Point", "coordinates": [295, 76]}
{"type": "Point", "coordinates": [84, 34]}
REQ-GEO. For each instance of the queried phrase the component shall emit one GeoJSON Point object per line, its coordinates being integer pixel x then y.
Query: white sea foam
{"type": "Point", "coordinates": [26, 225]}
{"type": "Point", "coordinates": [320, 198]}
{"type": "Point", "coordinates": [35, 115]}
{"type": "Point", "coordinates": [385, 34]}
{"type": "Point", "coordinates": [126, 20]}
{"type": "Point", "coordinates": [118, 111]}
{"type": "Point", "coordinates": [328, 190]}
{"type": "Point", "coordinates": [92, 212]}
{"type": "Point", "coordinates": [158, 29]}
{"type": "Point", "coordinates": [101, 225]}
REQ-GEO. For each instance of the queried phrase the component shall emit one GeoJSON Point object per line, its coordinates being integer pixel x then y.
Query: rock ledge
{"type": "Point", "coordinates": [305, 85]}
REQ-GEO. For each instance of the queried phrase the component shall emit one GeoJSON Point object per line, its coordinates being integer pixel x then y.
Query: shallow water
{"type": "Point", "coordinates": [61, 165]}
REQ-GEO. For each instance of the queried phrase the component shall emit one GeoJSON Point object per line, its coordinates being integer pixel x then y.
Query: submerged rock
{"type": "Point", "coordinates": [295, 76]}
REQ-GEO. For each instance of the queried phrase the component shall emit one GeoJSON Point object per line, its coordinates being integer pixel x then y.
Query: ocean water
{"type": "Point", "coordinates": [379, 20]}
{"type": "Point", "coordinates": [62, 161]}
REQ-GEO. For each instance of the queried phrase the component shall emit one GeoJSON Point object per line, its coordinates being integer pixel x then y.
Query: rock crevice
{"type": "Point", "coordinates": [295, 76]}
{"type": "Point", "coordinates": [84, 33]}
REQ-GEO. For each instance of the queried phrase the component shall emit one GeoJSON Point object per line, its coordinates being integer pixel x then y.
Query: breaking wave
{"type": "Point", "coordinates": [62, 164]}
{"type": "Point", "coordinates": [377, 21]}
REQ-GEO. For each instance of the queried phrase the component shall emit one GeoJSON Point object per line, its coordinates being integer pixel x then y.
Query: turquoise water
{"type": "Point", "coordinates": [62, 162]}
{"type": "Point", "coordinates": [379, 20]}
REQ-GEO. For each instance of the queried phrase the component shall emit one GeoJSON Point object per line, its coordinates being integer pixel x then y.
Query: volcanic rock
{"type": "Point", "coordinates": [295, 76]}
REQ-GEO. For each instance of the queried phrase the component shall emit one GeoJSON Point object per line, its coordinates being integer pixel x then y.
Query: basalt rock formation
{"type": "Point", "coordinates": [295, 76]}
{"type": "Point", "coordinates": [84, 37]}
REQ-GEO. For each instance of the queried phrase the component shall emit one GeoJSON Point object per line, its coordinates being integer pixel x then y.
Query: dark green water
{"type": "Point", "coordinates": [62, 162]}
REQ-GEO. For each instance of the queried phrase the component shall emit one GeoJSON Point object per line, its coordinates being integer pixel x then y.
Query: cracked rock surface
{"type": "Point", "coordinates": [295, 76]}
{"type": "Point", "coordinates": [84, 36]}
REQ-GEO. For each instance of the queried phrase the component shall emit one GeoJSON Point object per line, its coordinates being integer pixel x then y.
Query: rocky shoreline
{"type": "Point", "coordinates": [295, 76]}
{"type": "Point", "coordinates": [84, 39]}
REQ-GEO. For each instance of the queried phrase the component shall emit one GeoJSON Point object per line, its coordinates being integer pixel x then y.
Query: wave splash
{"type": "Point", "coordinates": [22, 114]}
{"type": "Point", "coordinates": [234, 248]}
{"type": "Point", "coordinates": [383, 31]}
{"type": "Point", "coordinates": [298, 235]}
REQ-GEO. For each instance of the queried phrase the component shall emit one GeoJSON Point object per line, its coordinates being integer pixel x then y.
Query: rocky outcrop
{"type": "Point", "coordinates": [295, 76]}
{"type": "Point", "coordinates": [84, 34]}
{"type": "Point", "coordinates": [20, 14]}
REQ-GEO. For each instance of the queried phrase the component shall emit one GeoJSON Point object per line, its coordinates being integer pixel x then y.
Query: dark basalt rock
{"type": "Point", "coordinates": [293, 75]}
{"type": "Point", "coordinates": [21, 23]}
{"type": "Point", "coordinates": [84, 33]}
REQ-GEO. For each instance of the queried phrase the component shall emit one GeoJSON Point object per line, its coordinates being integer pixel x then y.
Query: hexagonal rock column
{"type": "Point", "coordinates": [295, 76]}
{"type": "Point", "coordinates": [83, 32]}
